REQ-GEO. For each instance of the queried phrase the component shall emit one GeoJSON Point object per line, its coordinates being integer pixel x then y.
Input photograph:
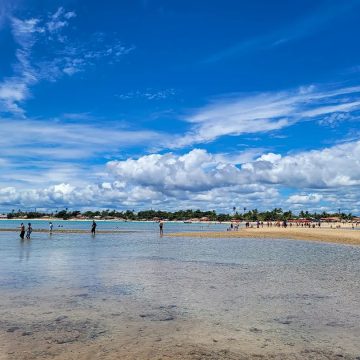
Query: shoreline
{"type": "Point", "coordinates": [121, 221]}
{"type": "Point", "coordinates": [325, 235]}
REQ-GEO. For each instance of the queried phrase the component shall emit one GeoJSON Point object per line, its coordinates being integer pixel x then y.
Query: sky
{"type": "Point", "coordinates": [158, 104]}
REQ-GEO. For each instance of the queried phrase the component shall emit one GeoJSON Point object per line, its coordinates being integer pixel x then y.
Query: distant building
{"type": "Point", "coordinates": [3, 216]}
{"type": "Point", "coordinates": [330, 219]}
{"type": "Point", "coordinates": [301, 220]}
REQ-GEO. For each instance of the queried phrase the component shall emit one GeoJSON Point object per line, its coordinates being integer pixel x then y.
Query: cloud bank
{"type": "Point", "coordinates": [317, 178]}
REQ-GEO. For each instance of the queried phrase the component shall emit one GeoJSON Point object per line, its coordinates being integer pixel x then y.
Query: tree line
{"type": "Point", "coordinates": [276, 214]}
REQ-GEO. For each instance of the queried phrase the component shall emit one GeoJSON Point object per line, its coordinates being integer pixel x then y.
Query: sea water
{"type": "Point", "coordinates": [258, 297]}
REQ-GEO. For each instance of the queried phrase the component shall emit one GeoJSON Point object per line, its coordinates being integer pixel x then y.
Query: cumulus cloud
{"type": "Point", "coordinates": [169, 181]}
{"type": "Point", "coordinates": [124, 195]}
{"type": "Point", "coordinates": [195, 171]}
{"type": "Point", "coordinates": [199, 170]}
{"type": "Point", "coordinates": [266, 112]}
{"type": "Point", "coordinates": [201, 179]}
{"type": "Point", "coordinates": [337, 166]}
{"type": "Point", "coordinates": [202, 176]}
{"type": "Point", "coordinates": [67, 195]}
{"type": "Point", "coordinates": [305, 198]}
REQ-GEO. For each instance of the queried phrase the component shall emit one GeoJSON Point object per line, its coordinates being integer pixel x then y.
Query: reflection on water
{"type": "Point", "coordinates": [25, 246]}
{"type": "Point", "coordinates": [177, 296]}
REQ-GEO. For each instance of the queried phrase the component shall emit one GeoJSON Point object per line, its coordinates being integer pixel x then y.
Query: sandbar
{"type": "Point", "coordinates": [328, 235]}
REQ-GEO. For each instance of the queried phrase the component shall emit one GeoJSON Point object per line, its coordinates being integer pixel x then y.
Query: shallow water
{"type": "Point", "coordinates": [136, 295]}
{"type": "Point", "coordinates": [113, 225]}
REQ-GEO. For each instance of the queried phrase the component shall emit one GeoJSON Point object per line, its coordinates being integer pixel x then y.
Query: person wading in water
{"type": "Point", "coordinates": [29, 231]}
{"type": "Point", "coordinates": [161, 227]}
{"type": "Point", "coordinates": [93, 227]}
{"type": "Point", "coordinates": [22, 231]}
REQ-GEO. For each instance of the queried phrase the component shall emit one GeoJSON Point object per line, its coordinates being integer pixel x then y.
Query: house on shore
{"type": "Point", "coordinates": [330, 219]}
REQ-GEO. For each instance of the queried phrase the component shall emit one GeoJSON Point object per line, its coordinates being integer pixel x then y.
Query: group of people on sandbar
{"type": "Point", "coordinates": [281, 224]}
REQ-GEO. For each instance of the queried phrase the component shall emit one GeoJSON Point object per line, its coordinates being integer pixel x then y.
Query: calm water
{"type": "Point", "coordinates": [264, 296]}
{"type": "Point", "coordinates": [114, 225]}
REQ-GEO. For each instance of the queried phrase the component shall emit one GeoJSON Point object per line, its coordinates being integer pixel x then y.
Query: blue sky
{"type": "Point", "coordinates": [177, 104]}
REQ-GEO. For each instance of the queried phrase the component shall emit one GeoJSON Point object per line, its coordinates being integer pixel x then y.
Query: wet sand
{"type": "Point", "coordinates": [339, 236]}
{"type": "Point", "coordinates": [87, 324]}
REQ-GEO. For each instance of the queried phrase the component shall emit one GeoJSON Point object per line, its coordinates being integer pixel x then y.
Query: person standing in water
{"type": "Point", "coordinates": [50, 227]}
{"type": "Point", "coordinates": [22, 231]}
{"type": "Point", "coordinates": [93, 227]}
{"type": "Point", "coordinates": [29, 231]}
{"type": "Point", "coordinates": [161, 227]}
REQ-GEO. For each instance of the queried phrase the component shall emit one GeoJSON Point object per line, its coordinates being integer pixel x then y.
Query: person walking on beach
{"type": "Point", "coordinates": [50, 227]}
{"type": "Point", "coordinates": [29, 231]}
{"type": "Point", "coordinates": [161, 227]}
{"type": "Point", "coordinates": [93, 227]}
{"type": "Point", "coordinates": [22, 231]}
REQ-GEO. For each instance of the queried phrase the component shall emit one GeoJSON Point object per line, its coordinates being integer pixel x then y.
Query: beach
{"type": "Point", "coordinates": [329, 235]}
{"type": "Point", "coordinates": [129, 293]}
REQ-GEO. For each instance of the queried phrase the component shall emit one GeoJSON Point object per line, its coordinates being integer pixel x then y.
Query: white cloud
{"type": "Point", "coordinates": [15, 89]}
{"type": "Point", "coordinates": [66, 195]}
{"type": "Point", "coordinates": [148, 94]}
{"type": "Point", "coordinates": [120, 195]}
{"type": "Point", "coordinates": [47, 152]}
{"type": "Point", "coordinates": [335, 119]}
{"type": "Point", "coordinates": [200, 177]}
{"type": "Point", "coordinates": [305, 198]}
{"type": "Point", "coordinates": [59, 19]}
{"type": "Point", "coordinates": [337, 166]}
{"type": "Point", "coordinates": [209, 181]}
{"type": "Point", "coordinates": [270, 157]}
{"type": "Point", "coordinates": [267, 112]}
{"type": "Point", "coordinates": [62, 55]}
{"type": "Point", "coordinates": [52, 137]}
{"type": "Point", "coordinates": [194, 171]}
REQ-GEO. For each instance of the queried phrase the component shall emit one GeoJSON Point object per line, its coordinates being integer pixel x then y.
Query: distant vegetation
{"type": "Point", "coordinates": [276, 214]}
